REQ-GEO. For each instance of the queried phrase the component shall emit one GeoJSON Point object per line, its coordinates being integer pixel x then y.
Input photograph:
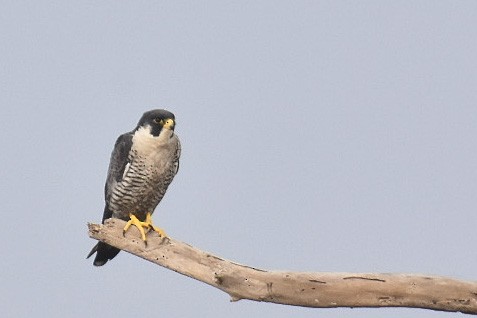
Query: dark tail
{"type": "Point", "coordinates": [104, 253]}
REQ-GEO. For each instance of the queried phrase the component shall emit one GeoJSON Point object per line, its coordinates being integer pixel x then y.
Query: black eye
{"type": "Point", "coordinates": [157, 120]}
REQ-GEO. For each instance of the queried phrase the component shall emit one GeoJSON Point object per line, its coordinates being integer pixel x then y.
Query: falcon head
{"type": "Point", "coordinates": [157, 120]}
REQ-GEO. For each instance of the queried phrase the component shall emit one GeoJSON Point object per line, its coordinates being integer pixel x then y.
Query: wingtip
{"type": "Point", "coordinates": [93, 250]}
{"type": "Point", "coordinates": [99, 263]}
{"type": "Point", "coordinates": [96, 262]}
{"type": "Point", "coordinates": [104, 253]}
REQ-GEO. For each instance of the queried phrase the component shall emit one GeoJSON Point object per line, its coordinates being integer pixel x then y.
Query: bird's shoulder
{"type": "Point", "coordinates": [119, 160]}
{"type": "Point", "coordinates": [123, 144]}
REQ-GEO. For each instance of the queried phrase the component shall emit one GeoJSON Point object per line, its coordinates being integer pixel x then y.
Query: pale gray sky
{"type": "Point", "coordinates": [317, 136]}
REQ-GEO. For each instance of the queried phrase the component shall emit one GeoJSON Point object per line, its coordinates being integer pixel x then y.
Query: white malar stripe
{"type": "Point", "coordinates": [156, 151]}
{"type": "Point", "coordinates": [145, 143]}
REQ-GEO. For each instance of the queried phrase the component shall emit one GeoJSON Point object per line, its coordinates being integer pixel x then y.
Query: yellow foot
{"type": "Point", "coordinates": [133, 220]}
{"type": "Point", "coordinates": [154, 228]}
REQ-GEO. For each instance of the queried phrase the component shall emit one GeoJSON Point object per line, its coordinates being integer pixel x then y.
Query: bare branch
{"type": "Point", "coordinates": [318, 289]}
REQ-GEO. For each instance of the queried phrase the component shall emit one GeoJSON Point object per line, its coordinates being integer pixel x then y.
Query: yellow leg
{"type": "Point", "coordinates": [133, 220]}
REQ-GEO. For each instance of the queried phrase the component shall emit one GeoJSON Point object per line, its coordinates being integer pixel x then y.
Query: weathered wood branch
{"type": "Point", "coordinates": [306, 289]}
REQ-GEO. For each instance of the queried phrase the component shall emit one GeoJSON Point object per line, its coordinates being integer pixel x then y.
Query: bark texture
{"type": "Point", "coordinates": [308, 289]}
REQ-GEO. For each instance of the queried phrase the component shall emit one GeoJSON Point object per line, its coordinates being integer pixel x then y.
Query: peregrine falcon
{"type": "Point", "coordinates": [143, 164]}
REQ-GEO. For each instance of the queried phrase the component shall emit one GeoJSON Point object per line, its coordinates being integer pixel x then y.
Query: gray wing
{"type": "Point", "coordinates": [177, 156]}
{"type": "Point", "coordinates": [117, 164]}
